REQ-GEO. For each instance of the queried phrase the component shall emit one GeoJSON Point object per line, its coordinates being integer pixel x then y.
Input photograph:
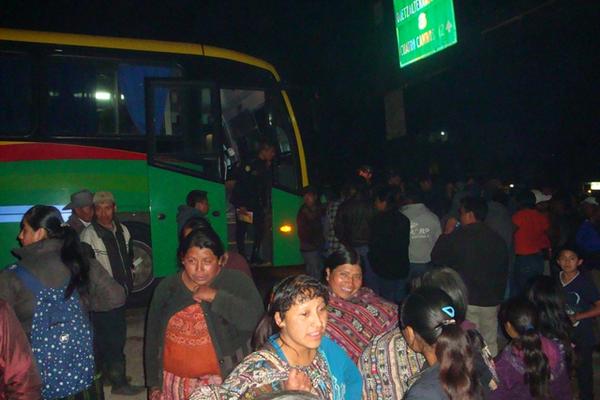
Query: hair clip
{"type": "Point", "coordinates": [64, 225]}
{"type": "Point", "coordinates": [449, 311]}
{"type": "Point", "coordinates": [448, 322]}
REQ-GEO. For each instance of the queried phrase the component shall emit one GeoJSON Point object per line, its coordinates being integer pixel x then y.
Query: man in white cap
{"type": "Point", "coordinates": [112, 247]}
{"type": "Point", "coordinates": [82, 204]}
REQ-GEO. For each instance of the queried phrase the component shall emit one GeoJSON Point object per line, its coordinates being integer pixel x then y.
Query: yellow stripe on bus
{"type": "Point", "coordinates": [157, 46]}
{"type": "Point", "coordinates": [303, 171]}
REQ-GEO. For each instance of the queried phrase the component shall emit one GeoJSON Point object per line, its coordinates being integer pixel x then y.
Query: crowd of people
{"type": "Point", "coordinates": [408, 293]}
{"type": "Point", "coordinates": [502, 242]}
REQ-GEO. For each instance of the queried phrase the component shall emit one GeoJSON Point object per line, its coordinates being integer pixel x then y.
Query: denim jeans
{"type": "Point", "coordinates": [526, 269]}
{"type": "Point", "coordinates": [370, 279]}
{"type": "Point", "coordinates": [393, 290]}
{"type": "Point", "coordinates": [416, 270]}
{"type": "Point", "coordinates": [313, 264]}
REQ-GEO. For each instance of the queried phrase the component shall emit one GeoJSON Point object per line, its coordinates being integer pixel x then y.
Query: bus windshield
{"type": "Point", "coordinates": [252, 115]}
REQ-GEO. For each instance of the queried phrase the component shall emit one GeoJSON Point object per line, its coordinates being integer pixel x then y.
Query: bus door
{"type": "Point", "coordinates": [185, 153]}
{"type": "Point", "coordinates": [250, 116]}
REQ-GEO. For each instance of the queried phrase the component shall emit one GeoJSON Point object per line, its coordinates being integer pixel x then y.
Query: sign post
{"type": "Point", "coordinates": [423, 27]}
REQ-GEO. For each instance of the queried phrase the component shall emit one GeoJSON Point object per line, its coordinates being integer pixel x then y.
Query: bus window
{"type": "Point", "coordinates": [184, 129]}
{"type": "Point", "coordinates": [16, 105]}
{"type": "Point", "coordinates": [252, 115]}
{"type": "Point", "coordinates": [97, 97]}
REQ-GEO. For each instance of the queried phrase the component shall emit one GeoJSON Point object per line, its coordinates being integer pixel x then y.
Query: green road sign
{"type": "Point", "coordinates": [423, 27]}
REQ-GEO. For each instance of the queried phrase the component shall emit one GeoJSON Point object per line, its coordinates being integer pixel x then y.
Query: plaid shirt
{"type": "Point", "coordinates": [331, 241]}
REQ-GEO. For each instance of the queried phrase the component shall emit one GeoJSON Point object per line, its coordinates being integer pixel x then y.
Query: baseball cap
{"type": "Point", "coordinates": [590, 200]}
{"type": "Point", "coordinates": [540, 197]}
{"type": "Point", "coordinates": [83, 198]}
{"type": "Point", "coordinates": [104, 197]}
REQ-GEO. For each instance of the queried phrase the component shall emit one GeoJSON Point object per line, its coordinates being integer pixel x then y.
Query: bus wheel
{"type": "Point", "coordinates": [143, 277]}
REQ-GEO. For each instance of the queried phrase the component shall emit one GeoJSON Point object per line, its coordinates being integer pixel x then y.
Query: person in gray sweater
{"type": "Point", "coordinates": [425, 229]}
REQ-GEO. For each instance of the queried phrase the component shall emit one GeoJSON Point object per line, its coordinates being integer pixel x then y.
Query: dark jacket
{"type": "Point", "coordinates": [253, 186]}
{"type": "Point", "coordinates": [498, 218]}
{"type": "Point", "coordinates": [185, 213]}
{"type": "Point", "coordinates": [19, 378]}
{"type": "Point", "coordinates": [427, 386]}
{"type": "Point", "coordinates": [388, 246]}
{"type": "Point", "coordinates": [480, 256]}
{"type": "Point", "coordinates": [352, 221]}
{"type": "Point", "coordinates": [310, 228]}
{"type": "Point", "coordinates": [230, 318]}
{"type": "Point", "coordinates": [75, 223]}
{"type": "Point", "coordinates": [42, 259]}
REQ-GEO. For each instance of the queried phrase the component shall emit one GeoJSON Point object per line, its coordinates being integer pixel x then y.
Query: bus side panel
{"type": "Point", "coordinates": [168, 190]}
{"type": "Point", "coordinates": [51, 182]}
{"type": "Point", "coordinates": [286, 246]}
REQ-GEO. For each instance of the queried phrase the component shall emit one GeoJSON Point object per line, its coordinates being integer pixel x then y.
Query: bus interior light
{"type": "Point", "coordinates": [103, 96]}
{"type": "Point", "coordinates": [285, 228]}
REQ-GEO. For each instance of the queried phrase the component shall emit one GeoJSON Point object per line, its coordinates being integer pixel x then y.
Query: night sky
{"type": "Point", "coordinates": [518, 96]}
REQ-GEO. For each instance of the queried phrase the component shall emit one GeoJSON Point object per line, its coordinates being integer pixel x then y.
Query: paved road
{"type": "Point", "coordinates": [134, 353]}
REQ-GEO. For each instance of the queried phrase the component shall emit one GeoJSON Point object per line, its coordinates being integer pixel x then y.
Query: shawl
{"type": "Point", "coordinates": [387, 365]}
{"type": "Point", "coordinates": [264, 371]}
{"type": "Point", "coordinates": [353, 323]}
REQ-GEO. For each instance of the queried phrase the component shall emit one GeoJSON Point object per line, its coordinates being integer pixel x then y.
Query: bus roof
{"type": "Point", "coordinates": [109, 42]}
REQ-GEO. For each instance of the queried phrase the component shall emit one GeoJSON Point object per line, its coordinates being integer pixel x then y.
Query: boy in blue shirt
{"type": "Point", "coordinates": [583, 304]}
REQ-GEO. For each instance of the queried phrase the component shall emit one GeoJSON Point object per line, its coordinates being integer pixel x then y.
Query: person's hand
{"type": "Point", "coordinates": [204, 293]}
{"type": "Point", "coordinates": [297, 380]}
{"type": "Point", "coordinates": [154, 393]}
{"type": "Point", "coordinates": [450, 225]}
{"type": "Point", "coordinates": [573, 318]}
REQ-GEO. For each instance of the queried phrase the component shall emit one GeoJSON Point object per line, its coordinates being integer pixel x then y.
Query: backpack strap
{"type": "Point", "coordinates": [29, 280]}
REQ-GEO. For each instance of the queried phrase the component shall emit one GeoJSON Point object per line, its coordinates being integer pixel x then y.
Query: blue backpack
{"type": "Point", "coordinates": [61, 339]}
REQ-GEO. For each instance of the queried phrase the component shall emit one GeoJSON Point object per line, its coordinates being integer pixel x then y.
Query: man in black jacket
{"type": "Point", "coordinates": [352, 226]}
{"type": "Point", "coordinates": [388, 246]}
{"type": "Point", "coordinates": [480, 256]}
{"type": "Point", "coordinates": [252, 199]}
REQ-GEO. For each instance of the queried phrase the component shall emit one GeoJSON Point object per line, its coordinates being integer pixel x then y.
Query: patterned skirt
{"type": "Point", "coordinates": [178, 388]}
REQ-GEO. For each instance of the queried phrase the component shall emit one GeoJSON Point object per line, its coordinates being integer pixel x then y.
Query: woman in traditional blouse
{"type": "Point", "coordinates": [298, 357]}
{"type": "Point", "coordinates": [200, 321]}
{"type": "Point", "coordinates": [356, 313]}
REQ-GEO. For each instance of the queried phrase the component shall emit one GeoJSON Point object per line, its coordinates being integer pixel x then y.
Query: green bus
{"type": "Point", "coordinates": [149, 121]}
